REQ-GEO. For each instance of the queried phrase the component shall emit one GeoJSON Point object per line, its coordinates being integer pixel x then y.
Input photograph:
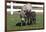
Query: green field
{"type": "Point", "coordinates": [13, 19]}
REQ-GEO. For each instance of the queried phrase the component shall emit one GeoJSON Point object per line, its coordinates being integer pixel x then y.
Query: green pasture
{"type": "Point", "coordinates": [13, 19]}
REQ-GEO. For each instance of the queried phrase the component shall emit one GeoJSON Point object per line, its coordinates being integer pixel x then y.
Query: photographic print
{"type": "Point", "coordinates": [24, 15]}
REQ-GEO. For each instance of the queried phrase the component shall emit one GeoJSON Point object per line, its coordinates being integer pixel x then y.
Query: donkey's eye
{"type": "Point", "coordinates": [24, 11]}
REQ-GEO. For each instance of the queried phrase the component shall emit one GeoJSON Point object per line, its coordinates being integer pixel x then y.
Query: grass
{"type": "Point", "coordinates": [13, 19]}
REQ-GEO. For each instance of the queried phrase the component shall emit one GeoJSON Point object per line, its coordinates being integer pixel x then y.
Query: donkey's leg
{"type": "Point", "coordinates": [24, 19]}
{"type": "Point", "coordinates": [30, 20]}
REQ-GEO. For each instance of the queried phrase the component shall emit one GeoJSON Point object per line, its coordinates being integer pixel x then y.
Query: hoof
{"type": "Point", "coordinates": [18, 24]}
{"type": "Point", "coordinates": [29, 23]}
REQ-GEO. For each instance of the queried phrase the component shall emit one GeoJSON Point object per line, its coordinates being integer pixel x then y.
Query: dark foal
{"type": "Point", "coordinates": [28, 14]}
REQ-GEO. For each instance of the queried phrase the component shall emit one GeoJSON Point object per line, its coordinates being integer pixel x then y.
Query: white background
{"type": "Point", "coordinates": [2, 18]}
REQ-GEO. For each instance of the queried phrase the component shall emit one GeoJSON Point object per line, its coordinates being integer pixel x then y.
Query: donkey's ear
{"type": "Point", "coordinates": [30, 10]}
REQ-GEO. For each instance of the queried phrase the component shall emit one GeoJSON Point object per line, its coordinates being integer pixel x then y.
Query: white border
{"type": "Point", "coordinates": [2, 16]}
